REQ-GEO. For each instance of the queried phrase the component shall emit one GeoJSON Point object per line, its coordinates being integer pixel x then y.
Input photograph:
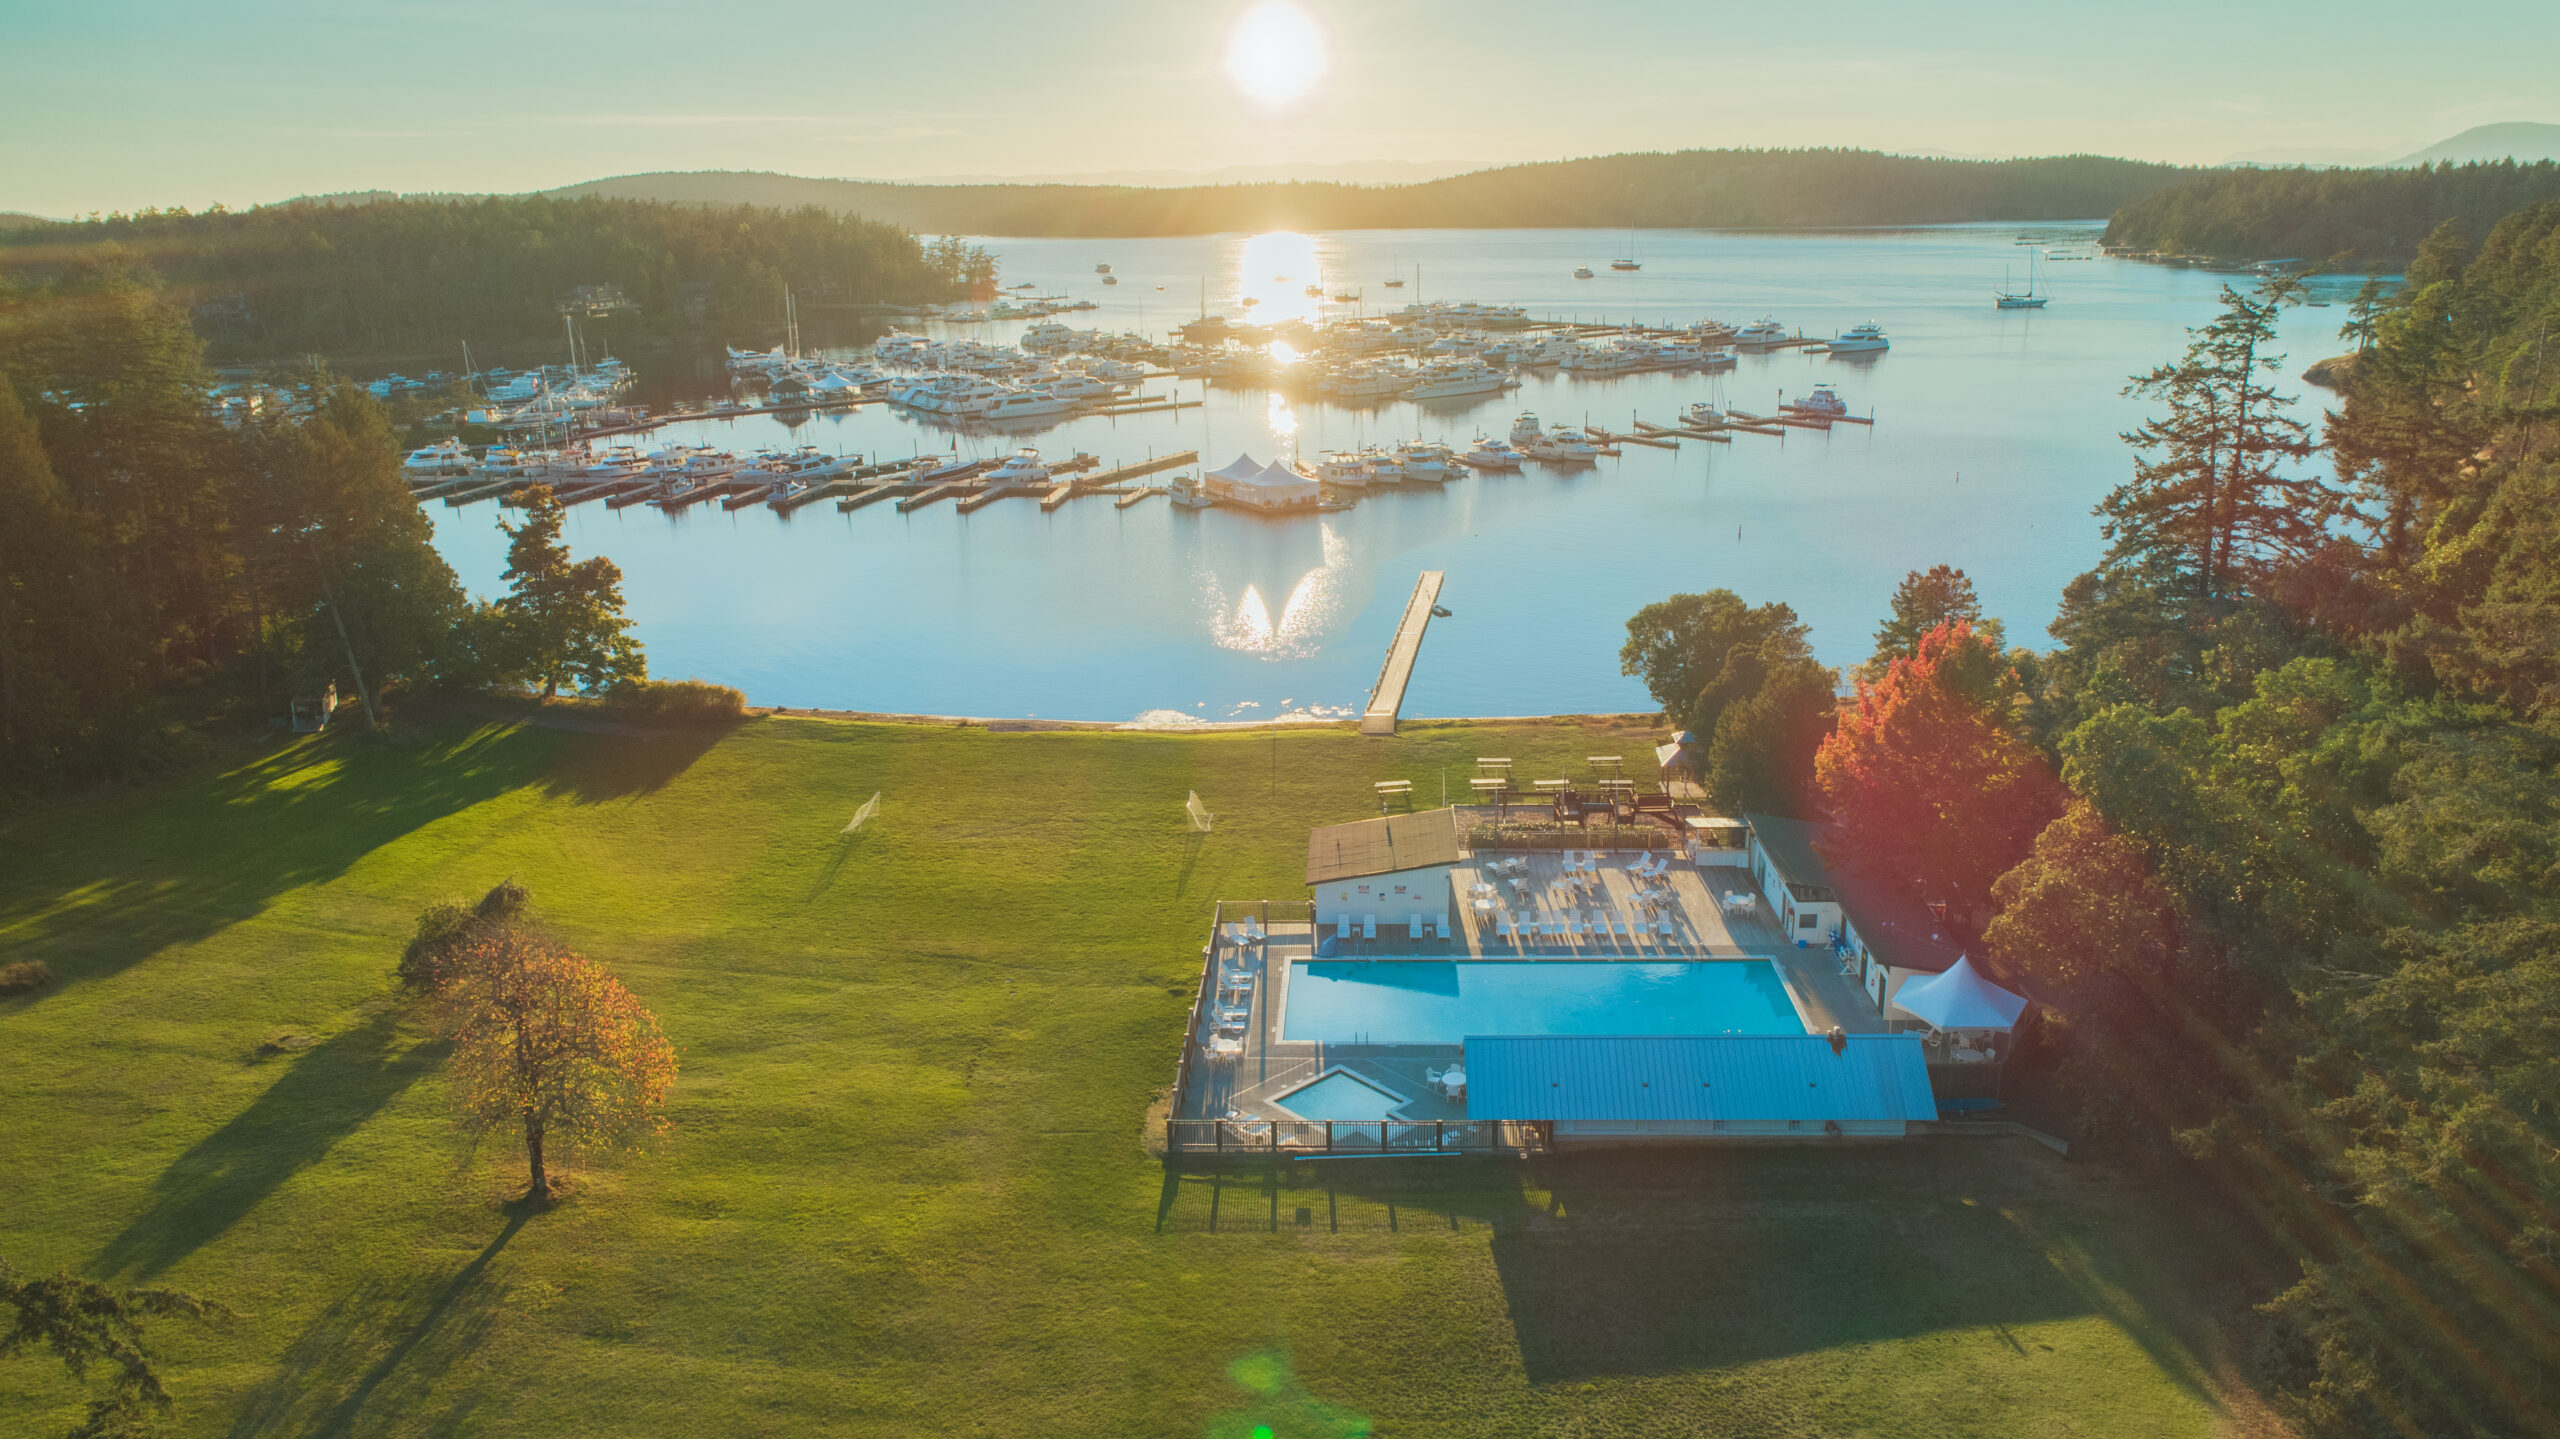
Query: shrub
{"type": "Point", "coordinates": [684, 702]}
{"type": "Point", "coordinates": [446, 929]}
{"type": "Point", "coordinates": [24, 976]}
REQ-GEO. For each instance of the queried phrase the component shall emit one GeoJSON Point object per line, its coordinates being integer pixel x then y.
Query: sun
{"type": "Point", "coordinates": [1276, 54]}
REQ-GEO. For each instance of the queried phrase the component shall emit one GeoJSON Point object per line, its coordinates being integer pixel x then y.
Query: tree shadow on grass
{"type": "Point", "coordinates": [1677, 1260]}
{"type": "Point", "coordinates": [595, 768]}
{"type": "Point", "coordinates": [338, 1371]}
{"type": "Point", "coordinates": [324, 1096]}
{"type": "Point", "coordinates": [92, 888]}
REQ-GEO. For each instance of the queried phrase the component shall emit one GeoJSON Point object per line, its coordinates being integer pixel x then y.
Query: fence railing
{"type": "Point", "coordinates": [1265, 912]}
{"type": "Point", "coordinates": [1248, 1137]}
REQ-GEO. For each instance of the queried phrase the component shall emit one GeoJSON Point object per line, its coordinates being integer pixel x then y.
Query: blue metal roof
{"type": "Point", "coordinates": [1729, 1076]}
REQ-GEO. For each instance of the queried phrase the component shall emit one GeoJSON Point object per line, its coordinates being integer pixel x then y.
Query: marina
{"type": "Point", "coordinates": [1993, 433]}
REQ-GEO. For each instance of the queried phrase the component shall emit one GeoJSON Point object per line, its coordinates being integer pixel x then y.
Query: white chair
{"type": "Point", "coordinates": [1342, 927]}
{"type": "Point", "coordinates": [1440, 926]}
{"type": "Point", "coordinates": [1413, 926]}
{"type": "Point", "coordinates": [1502, 928]}
{"type": "Point", "coordinates": [1368, 926]}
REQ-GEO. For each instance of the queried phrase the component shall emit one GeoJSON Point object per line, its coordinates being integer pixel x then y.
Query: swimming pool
{"type": "Point", "coordinates": [1340, 1095]}
{"type": "Point", "coordinates": [1424, 1002]}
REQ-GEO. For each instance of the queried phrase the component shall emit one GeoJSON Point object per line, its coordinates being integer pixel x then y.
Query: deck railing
{"type": "Point", "coordinates": [1265, 912]}
{"type": "Point", "coordinates": [1245, 1138]}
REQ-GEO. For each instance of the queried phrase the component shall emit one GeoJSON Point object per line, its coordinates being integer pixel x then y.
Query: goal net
{"type": "Point", "coordinates": [1200, 816]}
{"type": "Point", "coordinates": [869, 808]}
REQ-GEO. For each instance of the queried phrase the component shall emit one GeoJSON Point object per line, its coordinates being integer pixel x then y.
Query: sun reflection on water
{"type": "Point", "coordinates": [1247, 625]}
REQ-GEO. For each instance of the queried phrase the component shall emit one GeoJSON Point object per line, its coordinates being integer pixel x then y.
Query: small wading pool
{"type": "Point", "coordinates": [1393, 1001]}
{"type": "Point", "coordinates": [1340, 1095]}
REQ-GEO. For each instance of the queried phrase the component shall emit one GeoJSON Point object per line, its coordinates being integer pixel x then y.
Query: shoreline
{"type": "Point", "coordinates": [1003, 724]}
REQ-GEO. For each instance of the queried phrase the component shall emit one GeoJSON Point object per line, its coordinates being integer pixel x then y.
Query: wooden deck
{"type": "Point", "coordinates": [1379, 717]}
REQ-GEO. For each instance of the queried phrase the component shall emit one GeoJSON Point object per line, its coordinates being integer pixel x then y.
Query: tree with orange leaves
{"type": "Point", "coordinates": [545, 1038]}
{"type": "Point", "coordinates": [1924, 778]}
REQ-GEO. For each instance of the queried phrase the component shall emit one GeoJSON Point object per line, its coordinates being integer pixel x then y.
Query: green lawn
{"type": "Point", "coordinates": [904, 1193]}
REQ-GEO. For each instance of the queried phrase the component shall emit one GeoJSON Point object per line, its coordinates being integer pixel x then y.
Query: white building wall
{"type": "Point", "coordinates": [1393, 898]}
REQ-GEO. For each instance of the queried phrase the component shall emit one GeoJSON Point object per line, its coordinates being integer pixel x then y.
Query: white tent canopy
{"type": "Point", "coordinates": [1244, 469]}
{"type": "Point", "coordinates": [1271, 486]}
{"type": "Point", "coordinates": [1959, 999]}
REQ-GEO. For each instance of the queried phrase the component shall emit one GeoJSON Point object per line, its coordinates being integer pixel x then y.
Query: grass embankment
{"type": "Point", "coordinates": [904, 1194]}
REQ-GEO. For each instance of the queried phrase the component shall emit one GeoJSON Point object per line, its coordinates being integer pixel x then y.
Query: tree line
{"type": "Point", "coordinates": [2357, 219]}
{"type": "Point", "coordinates": [2273, 832]}
{"type": "Point", "coordinates": [162, 573]}
{"type": "Point", "coordinates": [424, 277]}
{"type": "Point", "coordinates": [1682, 189]}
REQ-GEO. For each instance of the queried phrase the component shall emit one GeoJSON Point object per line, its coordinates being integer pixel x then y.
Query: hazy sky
{"type": "Point", "coordinates": [108, 104]}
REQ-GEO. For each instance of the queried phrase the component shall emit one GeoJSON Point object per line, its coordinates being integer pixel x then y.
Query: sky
{"type": "Point", "coordinates": [122, 104]}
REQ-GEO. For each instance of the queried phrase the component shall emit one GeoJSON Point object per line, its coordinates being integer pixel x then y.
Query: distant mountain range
{"type": "Point", "coordinates": [2521, 141]}
{"type": "Point", "coordinates": [2518, 141]}
{"type": "Point", "coordinates": [1753, 189]}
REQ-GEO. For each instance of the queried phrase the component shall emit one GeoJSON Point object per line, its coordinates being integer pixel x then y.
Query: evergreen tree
{"type": "Point", "coordinates": [59, 667]}
{"type": "Point", "coordinates": [2215, 492]}
{"type": "Point", "coordinates": [563, 618]}
{"type": "Point", "coordinates": [2364, 313]}
{"type": "Point", "coordinates": [1923, 601]}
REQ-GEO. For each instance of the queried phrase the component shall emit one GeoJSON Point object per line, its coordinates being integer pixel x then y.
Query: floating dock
{"type": "Point", "coordinates": [1379, 717]}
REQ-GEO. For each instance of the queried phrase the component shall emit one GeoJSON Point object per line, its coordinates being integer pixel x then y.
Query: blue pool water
{"type": "Point", "coordinates": [1340, 1095]}
{"type": "Point", "coordinates": [1421, 1002]}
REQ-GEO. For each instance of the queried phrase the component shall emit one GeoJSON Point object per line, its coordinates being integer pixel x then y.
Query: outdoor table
{"type": "Point", "coordinates": [1452, 1080]}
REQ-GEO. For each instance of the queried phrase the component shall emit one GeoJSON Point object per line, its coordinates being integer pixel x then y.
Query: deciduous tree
{"type": "Point", "coordinates": [546, 1042]}
{"type": "Point", "coordinates": [1924, 778]}
{"type": "Point", "coordinates": [1680, 646]}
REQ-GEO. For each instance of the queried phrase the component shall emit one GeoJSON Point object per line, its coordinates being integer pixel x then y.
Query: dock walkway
{"type": "Point", "coordinates": [1388, 698]}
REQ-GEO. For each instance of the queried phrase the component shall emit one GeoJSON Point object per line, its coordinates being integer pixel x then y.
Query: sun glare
{"type": "Point", "coordinates": [1276, 54]}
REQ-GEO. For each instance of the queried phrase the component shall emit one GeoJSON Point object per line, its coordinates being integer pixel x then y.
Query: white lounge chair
{"type": "Point", "coordinates": [1368, 926]}
{"type": "Point", "coordinates": [1342, 927]}
{"type": "Point", "coordinates": [1502, 928]}
{"type": "Point", "coordinates": [1413, 926]}
{"type": "Point", "coordinates": [1440, 926]}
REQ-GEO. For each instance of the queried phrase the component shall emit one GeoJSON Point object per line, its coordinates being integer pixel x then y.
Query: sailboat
{"type": "Point", "coordinates": [2004, 299]}
{"type": "Point", "coordinates": [1627, 257]}
{"type": "Point", "coordinates": [1395, 281]}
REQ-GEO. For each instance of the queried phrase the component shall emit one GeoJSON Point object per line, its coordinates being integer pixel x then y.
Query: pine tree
{"type": "Point", "coordinates": [563, 617]}
{"type": "Point", "coordinates": [1923, 601]}
{"type": "Point", "coordinates": [2215, 491]}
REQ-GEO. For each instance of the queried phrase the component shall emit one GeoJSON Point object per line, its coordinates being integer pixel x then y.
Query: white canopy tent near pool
{"type": "Point", "coordinates": [1959, 999]}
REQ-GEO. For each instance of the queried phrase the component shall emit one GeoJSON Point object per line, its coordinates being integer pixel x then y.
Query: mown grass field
{"type": "Point", "coordinates": [904, 1193]}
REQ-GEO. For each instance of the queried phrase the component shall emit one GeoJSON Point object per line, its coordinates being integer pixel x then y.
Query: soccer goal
{"type": "Point", "coordinates": [869, 808]}
{"type": "Point", "coordinates": [1200, 816]}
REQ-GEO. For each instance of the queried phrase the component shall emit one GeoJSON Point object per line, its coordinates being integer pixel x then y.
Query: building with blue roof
{"type": "Point", "coordinates": [1618, 1087]}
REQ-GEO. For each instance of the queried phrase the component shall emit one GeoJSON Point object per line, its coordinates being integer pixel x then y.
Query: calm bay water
{"type": "Point", "coordinates": [1995, 432]}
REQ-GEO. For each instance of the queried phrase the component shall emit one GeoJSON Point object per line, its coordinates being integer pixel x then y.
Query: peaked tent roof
{"type": "Point", "coordinates": [1960, 998]}
{"type": "Point", "coordinates": [1243, 467]}
{"type": "Point", "coordinates": [1723, 1076]}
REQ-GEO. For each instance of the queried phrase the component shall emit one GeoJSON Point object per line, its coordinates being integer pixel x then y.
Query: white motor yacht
{"type": "Point", "coordinates": [1565, 446]}
{"type": "Point", "coordinates": [1859, 338]}
{"type": "Point", "coordinates": [1582, 272]}
{"type": "Point", "coordinates": [1344, 469]}
{"type": "Point", "coordinates": [1424, 461]}
{"type": "Point", "coordinates": [1759, 335]}
{"type": "Point", "coordinates": [1493, 455]}
{"type": "Point", "coordinates": [1037, 403]}
{"type": "Point", "coordinates": [1024, 468]}
{"type": "Point", "coordinates": [1823, 404]}
{"type": "Point", "coordinates": [441, 461]}
{"type": "Point", "coordinates": [1525, 431]}
{"type": "Point", "coordinates": [1705, 416]}
{"type": "Point", "coordinates": [1385, 468]}
{"type": "Point", "coordinates": [1447, 381]}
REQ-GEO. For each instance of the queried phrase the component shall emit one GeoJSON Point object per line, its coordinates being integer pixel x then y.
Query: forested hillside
{"type": "Point", "coordinates": [411, 277]}
{"type": "Point", "coordinates": [2364, 219]}
{"type": "Point", "coordinates": [2300, 900]}
{"type": "Point", "coordinates": [1692, 188]}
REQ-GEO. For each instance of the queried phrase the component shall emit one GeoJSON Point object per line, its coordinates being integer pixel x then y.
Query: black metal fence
{"type": "Point", "coordinates": [1247, 1137]}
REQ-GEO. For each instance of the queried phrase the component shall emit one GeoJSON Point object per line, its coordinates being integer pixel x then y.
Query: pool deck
{"type": "Point", "coordinates": [1248, 1084]}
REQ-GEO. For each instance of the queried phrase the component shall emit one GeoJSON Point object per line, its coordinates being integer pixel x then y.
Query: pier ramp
{"type": "Point", "coordinates": [1379, 717]}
